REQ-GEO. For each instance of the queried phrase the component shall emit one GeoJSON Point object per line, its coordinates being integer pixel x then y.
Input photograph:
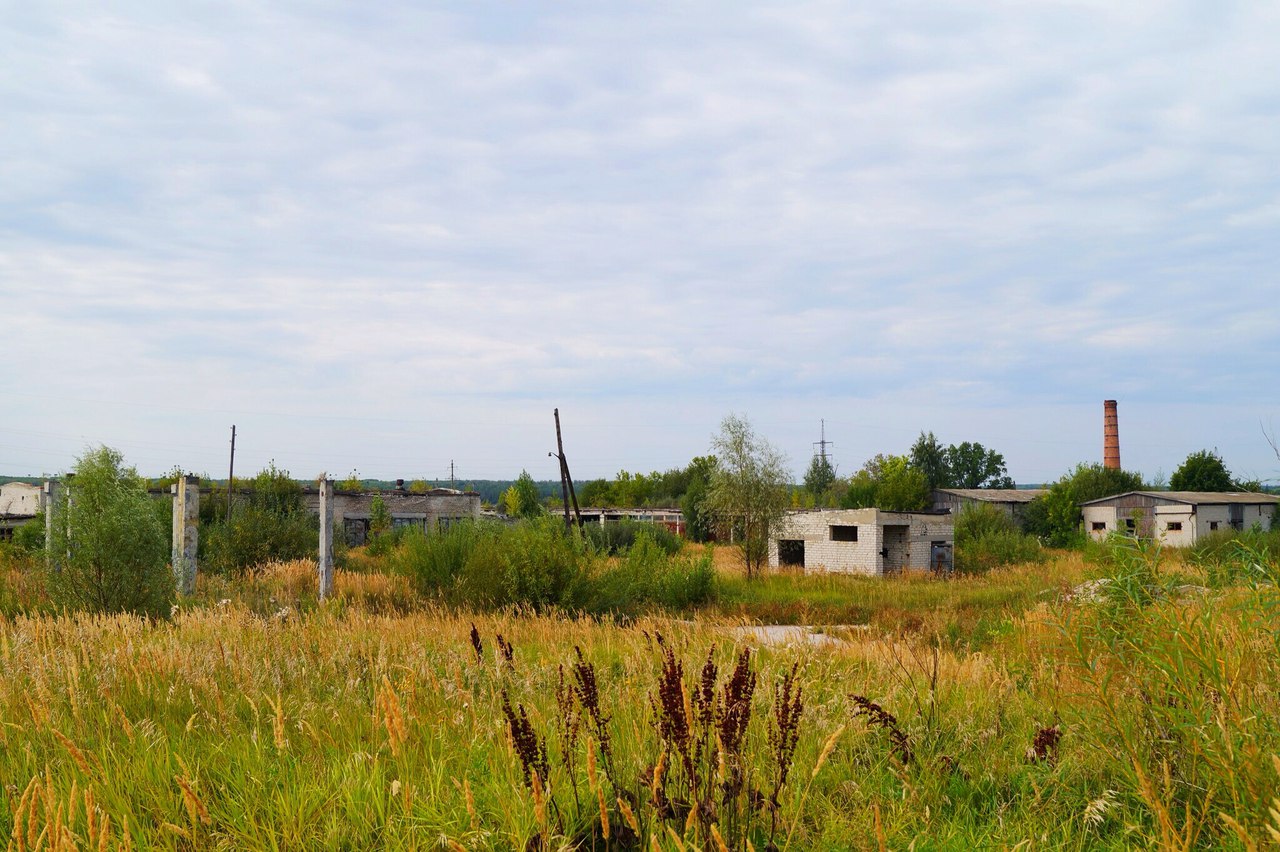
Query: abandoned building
{"type": "Point", "coordinates": [672, 519]}
{"type": "Point", "coordinates": [20, 502]}
{"type": "Point", "coordinates": [863, 541]}
{"type": "Point", "coordinates": [1177, 518]}
{"type": "Point", "coordinates": [429, 510]}
{"type": "Point", "coordinates": [1012, 501]}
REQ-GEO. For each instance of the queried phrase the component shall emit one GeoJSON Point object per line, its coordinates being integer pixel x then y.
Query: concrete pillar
{"type": "Point", "coordinates": [326, 537]}
{"type": "Point", "coordinates": [186, 532]}
{"type": "Point", "coordinates": [49, 497]}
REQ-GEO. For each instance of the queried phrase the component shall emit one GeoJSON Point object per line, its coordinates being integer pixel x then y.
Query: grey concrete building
{"type": "Point", "coordinates": [430, 510]}
{"type": "Point", "coordinates": [863, 541]}
{"type": "Point", "coordinates": [1009, 500]}
{"type": "Point", "coordinates": [20, 502]}
{"type": "Point", "coordinates": [1177, 518]}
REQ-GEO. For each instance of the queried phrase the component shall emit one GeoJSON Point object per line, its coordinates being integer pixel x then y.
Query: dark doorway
{"type": "Point", "coordinates": [894, 554]}
{"type": "Point", "coordinates": [791, 552]}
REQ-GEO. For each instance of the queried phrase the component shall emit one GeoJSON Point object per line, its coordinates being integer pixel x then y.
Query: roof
{"type": "Point", "coordinates": [1204, 498]}
{"type": "Point", "coordinates": [995, 495]}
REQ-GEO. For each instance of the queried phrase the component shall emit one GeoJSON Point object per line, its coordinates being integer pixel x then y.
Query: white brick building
{"type": "Point", "coordinates": [863, 541]}
{"type": "Point", "coordinates": [1177, 518]}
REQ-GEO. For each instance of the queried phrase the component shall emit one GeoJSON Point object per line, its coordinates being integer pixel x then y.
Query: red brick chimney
{"type": "Point", "coordinates": [1110, 435]}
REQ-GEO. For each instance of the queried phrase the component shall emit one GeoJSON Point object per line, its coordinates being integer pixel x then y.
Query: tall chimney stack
{"type": "Point", "coordinates": [1110, 435]}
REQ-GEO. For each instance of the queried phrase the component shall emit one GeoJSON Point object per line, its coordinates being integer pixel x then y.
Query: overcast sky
{"type": "Point", "coordinates": [384, 236]}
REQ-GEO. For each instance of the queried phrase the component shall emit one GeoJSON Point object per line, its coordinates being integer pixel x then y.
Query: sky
{"type": "Point", "coordinates": [387, 237]}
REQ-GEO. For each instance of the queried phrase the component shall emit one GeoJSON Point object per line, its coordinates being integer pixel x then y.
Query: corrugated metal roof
{"type": "Point", "coordinates": [996, 495]}
{"type": "Point", "coordinates": [1206, 498]}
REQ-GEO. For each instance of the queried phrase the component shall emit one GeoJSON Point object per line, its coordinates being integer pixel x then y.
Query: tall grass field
{"type": "Point", "coordinates": [1127, 700]}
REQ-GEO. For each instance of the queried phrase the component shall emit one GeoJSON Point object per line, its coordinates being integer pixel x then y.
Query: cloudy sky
{"type": "Point", "coordinates": [387, 236]}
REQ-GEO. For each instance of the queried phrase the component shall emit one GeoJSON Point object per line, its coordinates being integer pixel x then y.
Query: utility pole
{"type": "Point", "coordinates": [451, 480]}
{"type": "Point", "coordinates": [566, 480]}
{"type": "Point", "coordinates": [231, 471]}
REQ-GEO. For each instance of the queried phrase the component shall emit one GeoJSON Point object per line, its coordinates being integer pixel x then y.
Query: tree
{"type": "Point", "coordinates": [272, 526]}
{"type": "Point", "coordinates": [930, 458]}
{"type": "Point", "coordinates": [972, 465]}
{"type": "Point", "coordinates": [747, 494]}
{"type": "Point", "coordinates": [819, 476]}
{"type": "Point", "coordinates": [379, 516]}
{"type": "Point", "coordinates": [699, 524]}
{"type": "Point", "coordinates": [890, 483]}
{"type": "Point", "coordinates": [1202, 471]}
{"type": "Point", "coordinates": [111, 541]}
{"type": "Point", "coordinates": [521, 499]}
{"type": "Point", "coordinates": [901, 487]}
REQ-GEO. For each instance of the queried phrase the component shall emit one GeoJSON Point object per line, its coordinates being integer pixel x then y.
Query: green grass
{"type": "Point", "coordinates": [370, 722]}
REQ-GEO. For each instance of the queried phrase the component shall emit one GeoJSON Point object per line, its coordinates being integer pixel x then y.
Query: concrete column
{"type": "Point", "coordinates": [186, 532]}
{"type": "Point", "coordinates": [326, 537]}
{"type": "Point", "coordinates": [49, 497]}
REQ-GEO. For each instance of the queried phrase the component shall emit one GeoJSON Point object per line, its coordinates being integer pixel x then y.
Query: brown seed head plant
{"type": "Point", "coordinates": [784, 735]}
{"type": "Point", "coordinates": [524, 739]}
{"type": "Point", "coordinates": [882, 718]}
{"type": "Point", "coordinates": [476, 644]}
{"type": "Point", "coordinates": [1044, 748]}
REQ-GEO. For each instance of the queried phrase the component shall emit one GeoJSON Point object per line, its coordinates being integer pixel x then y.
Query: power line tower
{"type": "Point", "coordinates": [820, 447]}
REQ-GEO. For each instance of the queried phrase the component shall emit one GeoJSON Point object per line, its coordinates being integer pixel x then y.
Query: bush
{"type": "Point", "coordinates": [987, 538]}
{"type": "Point", "coordinates": [540, 564]}
{"type": "Point", "coordinates": [1229, 556]}
{"type": "Point", "coordinates": [272, 526]}
{"type": "Point", "coordinates": [111, 541]}
{"type": "Point", "coordinates": [616, 538]}
{"type": "Point", "coordinates": [255, 536]}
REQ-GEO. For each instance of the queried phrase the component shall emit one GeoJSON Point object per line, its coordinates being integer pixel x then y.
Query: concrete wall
{"type": "Point", "coordinates": [352, 510]}
{"type": "Point", "coordinates": [20, 499]}
{"type": "Point", "coordinates": [906, 537]}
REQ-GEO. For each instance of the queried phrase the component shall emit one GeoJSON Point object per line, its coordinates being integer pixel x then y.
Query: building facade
{"type": "Point", "coordinates": [430, 510]}
{"type": "Point", "coordinates": [19, 503]}
{"type": "Point", "coordinates": [1009, 500]}
{"type": "Point", "coordinates": [863, 541]}
{"type": "Point", "coordinates": [1177, 518]}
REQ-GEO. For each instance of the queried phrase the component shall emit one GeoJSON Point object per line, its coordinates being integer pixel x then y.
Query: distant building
{"type": "Point", "coordinates": [863, 541]}
{"type": "Point", "coordinates": [1012, 501]}
{"type": "Point", "coordinates": [429, 510]}
{"type": "Point", "coordinates": [1177, 518]}
{"type": "Point", "coordinates": [672, 519]}
{"type": "Point", "coordinates": [19, 503]}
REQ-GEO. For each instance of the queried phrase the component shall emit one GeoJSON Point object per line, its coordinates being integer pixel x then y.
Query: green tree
{"type": "Point", "coordinates": [819, 476]}
{"type": "Point", "coordinates": [351, 483]}
{"type": "Point", "coordinates": [521, 499]}
{"type": "Point", "coordinates": [930, 458]}
{"type": "Point", "coordinates": [111, 541]}
{"type": "Point", "coordinates": [890, 483]}
{"type": "Point", "coordinates": [379, 516]}
{"type": "Point", "coordinates": [699, 524]}
{"type": "Point", "coordinates": [1202, 471]}
{"type": "Point", "coordinates": [1055, 516]}
{"type": "Point", "coordinates": [901, 487]}
{"type": "Point", "coordinates": [972, 465]}
{"type": "Point", "coordinates": [748, 490]}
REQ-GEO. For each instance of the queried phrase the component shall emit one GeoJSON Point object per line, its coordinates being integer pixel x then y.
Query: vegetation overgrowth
{"type": "Point", "coordinates": [1125, 701]}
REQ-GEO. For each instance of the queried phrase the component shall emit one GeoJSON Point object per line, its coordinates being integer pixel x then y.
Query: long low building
{"type": "Point", "coordinates": [429, 510]}
{"type": "Point", "coordinates": [1177, 518]}
{"type": "Point", "coordinates": [863, 541]}
{"type": "Point", "coordinates": [1011, 501]}
{"type": "Point", "coordinates": [20, 502]}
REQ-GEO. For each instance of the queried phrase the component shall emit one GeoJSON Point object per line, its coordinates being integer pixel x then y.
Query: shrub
{"type": "Point", "coordinates": [272, 526]}
{"type": "Point", "coordinates": [616, 538]}
{"type": "Point", "coordinates": [987, 538]}
{"type": "Point", "coordinates": [1228, 556]}
{"type": "Point", "coordinates": [540, 564]}
{"type": "Point", "coordinates": [111, 541]}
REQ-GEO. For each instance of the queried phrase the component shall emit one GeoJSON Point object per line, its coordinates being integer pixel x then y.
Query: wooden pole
{"type": "Point", "coordinates": [565, 479]}
{"type": "Point", "coordinates": [231, 471]}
